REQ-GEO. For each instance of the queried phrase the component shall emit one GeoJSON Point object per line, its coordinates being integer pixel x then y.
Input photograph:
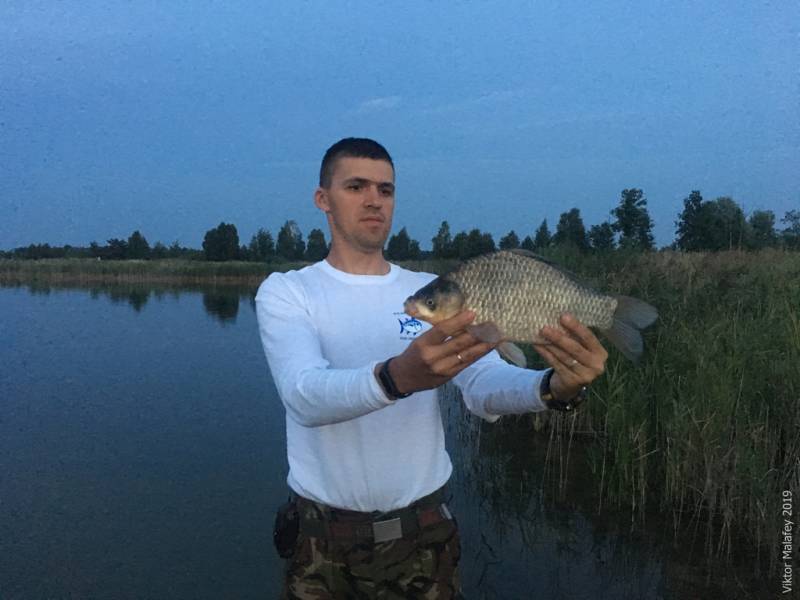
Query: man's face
{"type": "Point", "coordinates": [359, 202]}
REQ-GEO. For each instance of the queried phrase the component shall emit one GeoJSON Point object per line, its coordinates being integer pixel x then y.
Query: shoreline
{"type": "Point", "coordinates": [160, 271]}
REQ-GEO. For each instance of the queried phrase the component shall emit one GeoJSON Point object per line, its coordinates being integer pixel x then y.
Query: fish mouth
{"type": "Point", "coordinates": [410, 307]}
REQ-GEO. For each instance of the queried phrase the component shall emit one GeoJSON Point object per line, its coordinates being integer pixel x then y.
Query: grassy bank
{"type": "Point", "coordinates": [80, 271]}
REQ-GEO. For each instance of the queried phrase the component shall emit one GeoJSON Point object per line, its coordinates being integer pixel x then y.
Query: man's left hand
{"type": "Point", "coordinates": [576, 355]}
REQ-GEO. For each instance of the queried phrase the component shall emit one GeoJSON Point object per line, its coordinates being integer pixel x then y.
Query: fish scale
{"type": "Point", "coordinates": [522, 295]}
{"type": "Point", "coordinates": [515, 293]}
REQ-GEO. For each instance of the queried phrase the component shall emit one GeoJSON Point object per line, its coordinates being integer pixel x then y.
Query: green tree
{"type": "Point", "coordinates": [138, 248]}
{"type": "Point", "coordinates": [316, 248]}
{"type": "Point", "coordinates": [633, 222]}
{"type": "Point", "coordinates": [402, 247]}
{"type": "Point", "coordinates": [601, 237]}
{"type": "Point", "coordinates": [414, 251]}
{"type": "Point", "coordinates": [690, 226]}
{"type": "Point", "coordinates": [175, 250]}
{"type": "Point", "coordinates": [762, 229]}
{"type": "Point", "coordinates": [73, 252]}
{"type": "Point", "coordinates": [117, 249]}
{"type": "Point", "coordinates": [528, 244]}
{"type": "Point", "coordinates": [791, 234]}
{"type": "Point", "coordinates": [510, 241]}
{"type": "Point", "coordinates": [542, 238]}
{"type": "Point", "coordinates": [262, 247]}
{"type": "Point", "coordinates": [727, 226]}
{"type": "Point", "coordinates": [221, 243]}
{"type": "Point", "coordinates": [460, 246]}
{"type": "Point", "coordinates": [159, 251]}
{"type": "Point", "coordinates": [290, 244]}
{"type": "Point", "coordinates": [478, 243]}
{"type": "Point", "coordinates": [38, 251]}
{"type": "Point", "coordinates": [570, 231]}
{"type": "Point", "coordinates": [442, 243]}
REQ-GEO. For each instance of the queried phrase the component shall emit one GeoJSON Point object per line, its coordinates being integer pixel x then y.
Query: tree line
{"type": "Point", "coordinates": [709, 225]}
{"type": "Point", "coordinates": [219, 244]}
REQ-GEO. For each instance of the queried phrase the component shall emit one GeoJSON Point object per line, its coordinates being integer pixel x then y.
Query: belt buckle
{"type": "Point", "coordinates": [385, 531]}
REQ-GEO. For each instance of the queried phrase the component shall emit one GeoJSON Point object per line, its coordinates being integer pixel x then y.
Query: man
{"type": "Point", "coordinates": [367, 460]}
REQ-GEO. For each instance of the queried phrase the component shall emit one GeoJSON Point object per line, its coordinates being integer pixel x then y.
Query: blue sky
{"type": "Point", "coordinates": [170, 117]}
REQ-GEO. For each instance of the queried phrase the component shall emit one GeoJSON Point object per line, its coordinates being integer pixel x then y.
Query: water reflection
{"type": "Point", "coordinates": [537, 530]}
{"type": "Point", "coordinates": [223, 306]}
{"type": "Point", "coordinates": [220, 302]}
{"type": "Point", "coordinates": [527, 544]}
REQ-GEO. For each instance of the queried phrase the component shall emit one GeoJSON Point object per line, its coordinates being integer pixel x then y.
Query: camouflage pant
{"type": "Point", "coordinates": [422, 565]}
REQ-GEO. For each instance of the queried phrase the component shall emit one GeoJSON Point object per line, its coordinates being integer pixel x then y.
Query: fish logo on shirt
{"type": "Point", "coordinates": [410, 325]}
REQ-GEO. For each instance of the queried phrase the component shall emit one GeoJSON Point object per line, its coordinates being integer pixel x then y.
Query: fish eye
{"type": "Point", "coordinates": [430, 303]}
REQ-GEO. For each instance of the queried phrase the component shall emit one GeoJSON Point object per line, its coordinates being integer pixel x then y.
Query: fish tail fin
{"type": "Point", "coordinates": [631, 316]}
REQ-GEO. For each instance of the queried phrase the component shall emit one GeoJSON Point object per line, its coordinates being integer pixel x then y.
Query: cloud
{"type": "Point", "coordinates": [376, 104]}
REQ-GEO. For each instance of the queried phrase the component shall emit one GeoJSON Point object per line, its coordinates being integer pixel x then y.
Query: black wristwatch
{"type": "Point", "coordinates": [546, 394]}
{"type": "Point", "coordinates": [388, 383]}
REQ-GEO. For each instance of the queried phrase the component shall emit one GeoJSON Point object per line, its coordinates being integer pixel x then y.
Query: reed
{"type": "Point", "coordinates": [86, 271]}
{"type": "Point", "coordinates": [706, 428]}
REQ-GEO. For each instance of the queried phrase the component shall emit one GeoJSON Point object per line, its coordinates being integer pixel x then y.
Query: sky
{"type": "Point", "coordinates": [171, 117]}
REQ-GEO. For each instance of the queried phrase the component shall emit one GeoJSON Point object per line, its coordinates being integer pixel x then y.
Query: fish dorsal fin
{"type": "Point", "coordinates": [550, 263]}
{"type": "Point", "coordinates": [529, 254]}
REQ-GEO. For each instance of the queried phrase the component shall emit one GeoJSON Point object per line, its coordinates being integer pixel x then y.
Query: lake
{"type": "Point", "coordinates": [142, 455]}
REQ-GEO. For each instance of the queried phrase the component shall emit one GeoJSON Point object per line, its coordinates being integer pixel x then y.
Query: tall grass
{"type": "Point", "coordinates": [707, 426]}
{"type": "Point", "coordinates": [705, 430]}
{"type": "Point", "coordinates": [79, 271]}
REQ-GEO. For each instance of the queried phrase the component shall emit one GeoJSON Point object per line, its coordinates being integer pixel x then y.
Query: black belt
{"type": "Point", "coordinates": [323, 521]}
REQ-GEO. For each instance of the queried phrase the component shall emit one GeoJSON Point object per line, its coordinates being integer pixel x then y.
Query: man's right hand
{"type": "Point", "coordinates": [438, 355]}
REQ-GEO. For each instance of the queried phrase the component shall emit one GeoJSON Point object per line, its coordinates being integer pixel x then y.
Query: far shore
{"type": "Point", "coordinates": [160, 271]}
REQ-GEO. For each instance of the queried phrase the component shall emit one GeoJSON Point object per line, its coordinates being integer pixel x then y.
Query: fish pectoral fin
{"type": "Point", "coordinates": [489, 332]}
{"type": "Point", "coordinates": [512, 353]}
{"type": "Point", "coordinates": [486, 332]}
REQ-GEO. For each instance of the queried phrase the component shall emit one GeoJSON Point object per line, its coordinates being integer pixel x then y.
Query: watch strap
{"type": "Point", "coordinates": [550, 401]}
{"type": "Point", "coordinates": [389, 386]}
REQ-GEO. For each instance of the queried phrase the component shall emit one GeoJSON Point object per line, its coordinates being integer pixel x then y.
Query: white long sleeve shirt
{"type": "Point", "coordinates": [349, 445]}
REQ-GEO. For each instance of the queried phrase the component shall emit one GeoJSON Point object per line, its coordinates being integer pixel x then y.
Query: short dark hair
{"type": "Point", "coordinates": [350, 148]}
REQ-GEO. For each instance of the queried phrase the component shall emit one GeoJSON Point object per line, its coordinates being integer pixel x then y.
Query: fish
{"type": "Point", "coordinates": [514, 293]}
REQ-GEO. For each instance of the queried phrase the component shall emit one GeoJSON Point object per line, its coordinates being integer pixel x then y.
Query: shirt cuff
{"type": "Point", "coordinates": [377, 389]}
